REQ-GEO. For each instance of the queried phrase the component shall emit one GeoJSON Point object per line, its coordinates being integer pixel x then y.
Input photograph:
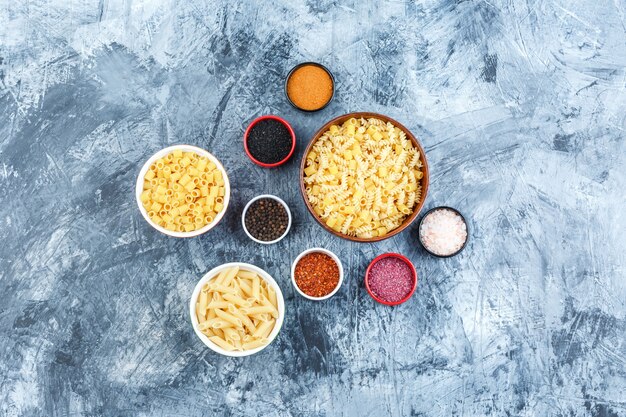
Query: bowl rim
{"type": "Point", "coordinates": [419, 231]}
{"type": "Point", "coordinates": [300, 65]}
{"type": "Point", "coordinates": [402, 258]}
{"type": "Point", "coordinates": [269, 117]}
{"type": "Point", "coordinates": [211, 275]}
{"type": "Point", "coordinates": [245, 210]}
{"type": "Point", "coordinates": [424, 181]}
{"type": "Point", "coordinates": [184, 148]}
{"type": "Point", "coordinates": [319, 250]}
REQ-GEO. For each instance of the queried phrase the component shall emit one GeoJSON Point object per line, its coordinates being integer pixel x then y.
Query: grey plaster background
{"type": "Point", "coordinates": [521, 106]}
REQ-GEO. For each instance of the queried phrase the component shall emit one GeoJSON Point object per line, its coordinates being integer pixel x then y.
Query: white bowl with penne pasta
{"type": "Point", "coordinates": [183, 191]}
{"type": "Point", "coordinates": [237, 309]}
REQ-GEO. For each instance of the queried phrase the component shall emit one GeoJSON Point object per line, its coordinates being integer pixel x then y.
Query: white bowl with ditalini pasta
{"type": "Point", "coordinates": [206, 167]}
{"type": "Point", "coordinates": [237, 309]}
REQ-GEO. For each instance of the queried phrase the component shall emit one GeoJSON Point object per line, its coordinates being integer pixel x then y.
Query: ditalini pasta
{"type": "Point", "coordinates": [183, 191]}
{"type": "Point", "coordinates": [237, 309]}
{"type": "Point", "coordinates": [363, 177]}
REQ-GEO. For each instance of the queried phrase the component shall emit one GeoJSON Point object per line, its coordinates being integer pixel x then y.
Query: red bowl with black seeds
{"type": "Point", "coordinates": [269, 141]}
{"type": "Point", "coordinates": [391, 279]}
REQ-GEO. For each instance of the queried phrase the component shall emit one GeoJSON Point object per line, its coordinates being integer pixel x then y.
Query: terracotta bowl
{"type": "Point", "coordinates": [424, 181]}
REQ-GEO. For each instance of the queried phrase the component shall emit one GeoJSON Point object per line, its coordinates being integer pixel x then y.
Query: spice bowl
{"type": "Point", "coordinates": [305, 80]}
{"type": "Point", "coordinates": [139, 187]}
{"type": "Point", "coordinates": [250, 233]}
{"type": "Point", "coordinates": [391, 279]}
{"type": "Point", "coordinates": [264, 152]}
{"type": "Point", "coordinates": [323, 251]}
{"type": "Point", "coordinates": [461, 223]}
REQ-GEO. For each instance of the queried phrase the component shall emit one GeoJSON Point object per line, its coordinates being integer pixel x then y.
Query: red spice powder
{"type": "Point", "coordinates": [316, 274]}
{"type": "Point", "coordinates": [390, 279]}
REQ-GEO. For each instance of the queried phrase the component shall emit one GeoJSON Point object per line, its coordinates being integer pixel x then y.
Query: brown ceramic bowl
{"type": "Point", "coordinates": [424, 181]}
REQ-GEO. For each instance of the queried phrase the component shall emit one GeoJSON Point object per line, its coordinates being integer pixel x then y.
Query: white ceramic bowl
{"type": "Point", "coordinates": [162, 153]}
{"type": "Point", "coordinates": [293, 273]}
{"type": "Point", "coordinates": [212, 274]}
{"type": "Point", "coordinates": [245, 210]}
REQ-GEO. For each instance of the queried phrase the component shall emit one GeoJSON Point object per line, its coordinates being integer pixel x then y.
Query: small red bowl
{"type": "Point", "coordinates": [413, 273]}
{"type": "Point", "coordinates": [272, 117]}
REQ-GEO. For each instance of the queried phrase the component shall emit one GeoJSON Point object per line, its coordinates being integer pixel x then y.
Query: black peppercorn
{"type": "Point", "coordinates": [266, 219]}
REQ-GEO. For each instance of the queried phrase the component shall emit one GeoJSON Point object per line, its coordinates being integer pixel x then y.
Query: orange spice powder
{"type": "Point", "coordinates": [310, 87]}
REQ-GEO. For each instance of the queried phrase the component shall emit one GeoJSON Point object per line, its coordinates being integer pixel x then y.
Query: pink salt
{"type": "Point", "coordinates": [390, 279]}
{"type": "Point", "coordinates": [443, 232]}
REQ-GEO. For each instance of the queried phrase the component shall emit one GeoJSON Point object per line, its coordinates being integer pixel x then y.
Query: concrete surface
{"type": "Point", "coordinates": [521, 106]}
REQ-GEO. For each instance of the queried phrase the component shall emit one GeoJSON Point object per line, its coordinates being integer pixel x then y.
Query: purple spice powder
{"type": "Point", "coordinates": [390, 279]}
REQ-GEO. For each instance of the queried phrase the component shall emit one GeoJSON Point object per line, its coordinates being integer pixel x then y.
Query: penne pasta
{"type": "Point", "coordinates": [203, 301]}
{"type": "Point", "coordinates": [222, 343]}
{"type": "Point", "coordinates": [245, 319]}
{"type": "Point", "coordinates": [222, 289]}
{"type": "Point", "coordinates": [260, 331]}
{"type": "Point", "coordinates": [254, 344]}
{"type": "Point", "coordinates": [246, 274]}
{"type": "Point", "coordinates": [245, 286]}
{"type": "Point", "coordinates": [237, 300]}
{"type": "Point", "coordinates": [267, 303]}
{"type": "Point", "coordinates": [263, 330]}
{"type": "Point", "coordinates": [231, 334]}
{"type": "Point", "coordinates": [235, 321]}
{"type": "Point", "coordinates": [215, 323]}
{"type": "Point", "coordinates": [263, 317]}
{"type": "Point", "coordinates": [209, 332]}
{"type": "Point", "coordinates": [257, 310]}
{"type": "Point", "coordinates": [237, 309]}
{"type": "Point", "coordinates": [218, 304]}
{"type": "Point", "coordinates": [271, 295]}
{"type": "Point", "coordinates": [229, 276]}
{"type": "Point", "coordinates": [256, 287]}
{"type": "Point", "coordinates": [200, 313]}
{"type": "Point", "coordinates": [268, 329]}
{"type": "Point", "coordinates": [220, 277]}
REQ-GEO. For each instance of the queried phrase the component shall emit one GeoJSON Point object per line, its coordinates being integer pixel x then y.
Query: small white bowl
{"type": "Point", "coordinates": [245, 210]}
{"type": "Point", "coordinates": [212, 274]}
{"type": "Point", "coordinates": [161, 154]}
{"type": "Point", "coordinates": [320, 250]}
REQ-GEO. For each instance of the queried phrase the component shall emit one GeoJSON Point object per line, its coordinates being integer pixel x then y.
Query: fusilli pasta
{"type": "Point", "coordinates": [363, 177]}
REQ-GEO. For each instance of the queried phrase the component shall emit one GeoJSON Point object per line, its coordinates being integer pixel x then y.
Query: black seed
{"type": "Point", "coordinates": [269, 141]}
